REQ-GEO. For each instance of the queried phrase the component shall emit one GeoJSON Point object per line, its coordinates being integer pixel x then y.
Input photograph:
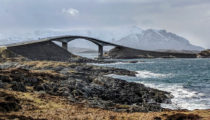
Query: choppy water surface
{"type": "Point", "coordinates": [188, 80]}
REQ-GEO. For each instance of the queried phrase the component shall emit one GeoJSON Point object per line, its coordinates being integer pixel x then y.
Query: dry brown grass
{"type": "Point", "coordinates": [5, 53]}
{"type": "Point", "coordinates": [51, 64]}
{"type": "Point", "coordinates": [42, 106]}
{"type": "Point", "coordinates": [8, 56]}
{"type": "Point", "coordinates": [37, 73]}
{"type": "Point", "coordinates": [47, 72]}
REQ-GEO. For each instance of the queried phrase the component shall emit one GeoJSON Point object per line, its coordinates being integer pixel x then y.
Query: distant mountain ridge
{"type": "Point", "coordinates": [157, 39]}
{"type": "Point", "coordinates": [133, 37]}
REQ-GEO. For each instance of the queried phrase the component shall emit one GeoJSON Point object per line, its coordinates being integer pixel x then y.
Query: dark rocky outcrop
{"type": "Point", "coordinates": [81, 83]}
{"type": "Point", "coordinates": [129, 53]}
{"type": "Point", "coordinates": [204, 54]}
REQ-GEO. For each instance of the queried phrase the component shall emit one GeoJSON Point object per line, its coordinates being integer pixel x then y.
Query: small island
{"type": "Point", "coordinates": [131, 53]}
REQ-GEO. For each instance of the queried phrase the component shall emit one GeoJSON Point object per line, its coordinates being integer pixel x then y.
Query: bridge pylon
{"type": "Point", "coordinates": [100, 52]}
{"type": "Point", "coordinates": [65, 45]}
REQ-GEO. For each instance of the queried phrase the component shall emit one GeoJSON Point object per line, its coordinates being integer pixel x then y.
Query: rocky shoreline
{"type": "Point", "coordinates": [79, 82]}
{"type": "Point", "coordinates": [82, 83]}
{"type": "Point", "coordinates": [31, 89]}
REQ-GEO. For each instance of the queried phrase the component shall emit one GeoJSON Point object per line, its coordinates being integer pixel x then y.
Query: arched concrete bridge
{"type": "Point", "coordinates": [68, 38]}
{"type": "Point", "coordinates": [65, 39]}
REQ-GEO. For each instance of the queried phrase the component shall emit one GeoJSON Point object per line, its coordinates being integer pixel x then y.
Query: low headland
{"type": "Point", "coordinates": [44, 82]}
{"type": "Point", "coordinates": [130, 53]}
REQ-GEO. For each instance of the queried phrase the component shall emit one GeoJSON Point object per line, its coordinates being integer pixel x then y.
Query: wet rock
{"type": "Point", "coordinates": [65, 70]}
{"type": "Point", "coordinates": [82, 60]}
{"type": "Point", "coordinates": [1, 84]}
{"type": "Point", "coordinates": [17, 86]}
{"type": "Point", "coordinates": [39, 88]}
{"type": "Point", "coordinates": [157, 118]}
{"type": "Point", "coordinates": [7, 65]}
{"type": "Point", "coordinates": [30, 81]}
{"type": "Point", "coordinates": [4, 78]}
{"type": "Point", "coordinates": [133, 61]}
{"type": "Point", "coordinates": [8, 103]}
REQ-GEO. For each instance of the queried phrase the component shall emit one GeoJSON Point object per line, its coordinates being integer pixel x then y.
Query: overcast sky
{"type": "Point", "coordinates": [188, 18]}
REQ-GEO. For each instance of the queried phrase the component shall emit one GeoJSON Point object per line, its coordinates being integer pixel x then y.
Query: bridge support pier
{"type": "Point", "coordinates": [65, 45]}
{"type": "Point", "coordinates": [100, 52]}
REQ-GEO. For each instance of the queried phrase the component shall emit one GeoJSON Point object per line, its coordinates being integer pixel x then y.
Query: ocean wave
{"type": "Point", "coordinates": [183, 98]}
{"type": "Point", "coordinates": [149, 74]}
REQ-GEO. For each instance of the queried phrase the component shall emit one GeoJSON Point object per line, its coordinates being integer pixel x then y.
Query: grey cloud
{"type": "Point", "coordinates": [189, 18]}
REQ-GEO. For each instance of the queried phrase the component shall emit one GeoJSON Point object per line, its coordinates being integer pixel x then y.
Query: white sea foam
{"type": "Point", "coordinates": [145, 62]}
{"type": "Point", "coordinates": [121, 63]}
{"type": "Point", "coordinates": [183, 98]}
{"type": "Point", "coordinates": [117, 63]}
{"type": "Point", "coordinates": [149, 74]}
{"type": "Point", "coordinates": [109, 64]}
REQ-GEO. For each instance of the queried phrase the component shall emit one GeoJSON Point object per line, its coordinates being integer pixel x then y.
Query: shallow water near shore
{"type": "Point", "coordinates": [188, 80]}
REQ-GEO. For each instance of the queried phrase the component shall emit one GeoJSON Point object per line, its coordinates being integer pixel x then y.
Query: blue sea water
{"type": "Point", "coordinates": [188, 80]}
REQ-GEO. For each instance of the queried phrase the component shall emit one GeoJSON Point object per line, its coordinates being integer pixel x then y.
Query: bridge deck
{"type": "Point", "coordinates": [65, 39]}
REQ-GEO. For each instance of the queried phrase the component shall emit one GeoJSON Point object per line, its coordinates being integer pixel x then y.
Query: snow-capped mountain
{"type": "Point", "coordinates": [157, 40]}
{"type": "Point", "coordinates": [102, 34]}
{"type": "Point", "coordinates": [134, 37]}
